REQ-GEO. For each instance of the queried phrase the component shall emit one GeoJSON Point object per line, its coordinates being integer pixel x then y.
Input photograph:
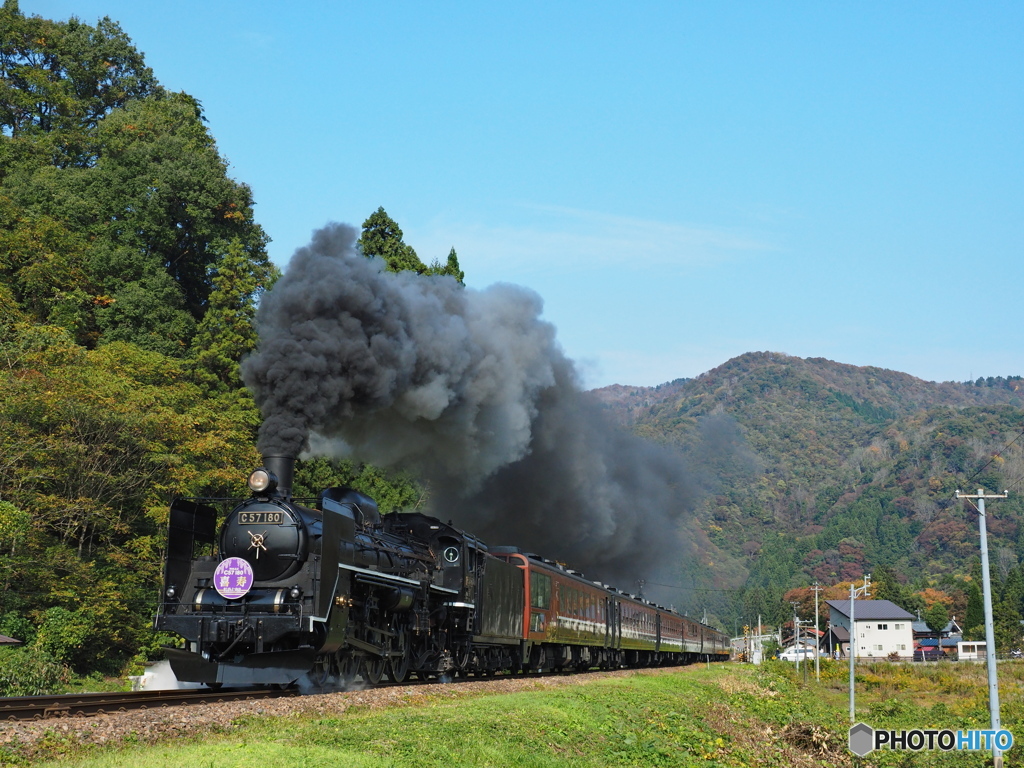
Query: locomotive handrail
{"type": "Point", "coordinates": [378, 574]}
{"type": "Point", "coordinates": [240, 608]}
{"type": "Point", "coordinates": [389, 578]}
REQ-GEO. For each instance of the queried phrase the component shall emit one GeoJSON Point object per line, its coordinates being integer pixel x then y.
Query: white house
{"type": "Point", "coordinates": [882, 627]}
{"type": "Point", "coordinates": [970, 650]}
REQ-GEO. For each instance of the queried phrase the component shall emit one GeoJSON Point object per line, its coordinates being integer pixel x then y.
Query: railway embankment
{"type": "Point", "coordinates": [724, 714]}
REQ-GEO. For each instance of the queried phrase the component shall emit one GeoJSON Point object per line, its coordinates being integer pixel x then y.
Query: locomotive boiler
{"type": "Point", "coordinates": [330, 588]}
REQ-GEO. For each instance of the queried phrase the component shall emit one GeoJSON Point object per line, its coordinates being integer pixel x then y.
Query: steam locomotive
{"type": "Point", "coordinates": [336, 590]}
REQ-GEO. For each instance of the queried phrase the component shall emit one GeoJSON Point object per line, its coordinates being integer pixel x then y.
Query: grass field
{"type": "Point", "coordinates": [725, 715]}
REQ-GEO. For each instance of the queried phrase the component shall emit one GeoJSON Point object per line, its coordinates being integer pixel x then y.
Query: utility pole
{"type": "Point", "coordinates": [990, 634]}
{"type": "Point", "coordinates": [802, 647]}
{"type": "Point", "coordinates": [817, 662]}
{"type": "Point", "coordinates": [796, 639]}
{"type": "Point", "coordinates": [853, 639]}
{"type": "Point", "coordinates": [853, 646]}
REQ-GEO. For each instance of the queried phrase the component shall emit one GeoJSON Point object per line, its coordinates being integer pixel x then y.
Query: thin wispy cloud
{"type": "Point", "coordinates": [557, 238]}
{"type": "Point", "coordinates": [254, 39]}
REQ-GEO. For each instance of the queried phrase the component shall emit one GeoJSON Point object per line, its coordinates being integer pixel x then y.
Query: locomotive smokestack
{"type": "Point", "coordinates": [284, 468]}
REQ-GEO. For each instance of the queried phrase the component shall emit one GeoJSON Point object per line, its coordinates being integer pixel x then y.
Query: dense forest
{"type": "Point", "coordinates": [131, 267]}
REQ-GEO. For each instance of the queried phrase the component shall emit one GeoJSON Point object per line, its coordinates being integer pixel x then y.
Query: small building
{"type": "Point", "coordinates": [971, 650]}
{"type": "Point", "coordinates": [921, 629]}
{"type": "Point", "coordinates": [948, 645]}
{"type": "Point", "coordinates": [5, 640]}
{"type": "Point", "coordinates": [835, 642]}
{"type": "Point", "coordinates": [882, 627]}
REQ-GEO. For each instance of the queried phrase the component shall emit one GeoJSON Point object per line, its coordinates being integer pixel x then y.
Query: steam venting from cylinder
{"type": "Point", "coordinates": [470, 390]}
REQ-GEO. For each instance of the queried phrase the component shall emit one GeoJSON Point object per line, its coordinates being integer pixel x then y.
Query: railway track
{"type": "Point", "coordinates": [82, 704]}
{"type": "Point", "coordinates": [86, 704]}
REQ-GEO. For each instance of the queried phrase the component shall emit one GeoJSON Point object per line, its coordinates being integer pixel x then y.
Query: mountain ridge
{"type": "Point", "coordinates": [819, 470]}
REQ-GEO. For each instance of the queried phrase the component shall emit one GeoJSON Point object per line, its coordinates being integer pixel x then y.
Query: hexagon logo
{"type": "Point", "coordinates": [862, 739]}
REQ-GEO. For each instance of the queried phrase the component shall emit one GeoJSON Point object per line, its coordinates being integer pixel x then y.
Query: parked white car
{"type": "Point", "coordinates": [793, 654]}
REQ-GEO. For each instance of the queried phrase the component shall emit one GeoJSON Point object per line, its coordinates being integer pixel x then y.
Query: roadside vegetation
{"type": "Point", "coordinates": [722, 715]}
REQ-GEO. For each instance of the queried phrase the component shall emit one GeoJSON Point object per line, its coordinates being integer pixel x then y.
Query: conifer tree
{"type": "Point", "coordinates": [451, 267]}
{"type": "Point", "coordinates": [383, 237]}
{"type": "Point", "coordinates": [227, 331]}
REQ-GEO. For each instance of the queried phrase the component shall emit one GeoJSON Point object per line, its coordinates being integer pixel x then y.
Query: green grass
{"type": "Point", "coordinates": [728, 715]}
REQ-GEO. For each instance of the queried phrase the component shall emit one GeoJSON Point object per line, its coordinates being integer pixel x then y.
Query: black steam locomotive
{"type": "Point", "coordinates": [336, 591]}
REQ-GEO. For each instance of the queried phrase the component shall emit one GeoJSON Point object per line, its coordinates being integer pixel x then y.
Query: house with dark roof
{"type": "Point", "coordinates": [922, 630]}
{"type": "Point", "coordinates": [835, 642]}
{"type": "Point", "coordinates": [881, 627]}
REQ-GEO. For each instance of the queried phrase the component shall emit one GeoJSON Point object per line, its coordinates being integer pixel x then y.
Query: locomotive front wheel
{"type": "Point", "coordinates": [348, 668]}
{"type": "Point", "coordinates": [322, 672]}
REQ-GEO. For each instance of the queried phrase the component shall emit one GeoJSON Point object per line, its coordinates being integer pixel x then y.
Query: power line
{"type": "Point", "coordinates": [997, 455]}
{"type": "Point", "coordinates": [692, 589]}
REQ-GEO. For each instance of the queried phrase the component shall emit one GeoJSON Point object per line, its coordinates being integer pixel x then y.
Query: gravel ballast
{"type": "Point", "coordinates": [25, 739]}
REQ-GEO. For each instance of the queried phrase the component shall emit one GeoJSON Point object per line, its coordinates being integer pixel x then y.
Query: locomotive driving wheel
{"type": "Point", "coordinates": [398, 664]}
{"type": "Point", "coordinates": [373, 668]}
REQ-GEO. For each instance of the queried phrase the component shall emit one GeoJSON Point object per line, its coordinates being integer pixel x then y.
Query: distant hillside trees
{"type": "Point", "coordinates": [853, 468]}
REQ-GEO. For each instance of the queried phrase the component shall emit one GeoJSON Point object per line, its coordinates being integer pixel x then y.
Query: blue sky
{"type": "Point", "coordinates": [681, 182]}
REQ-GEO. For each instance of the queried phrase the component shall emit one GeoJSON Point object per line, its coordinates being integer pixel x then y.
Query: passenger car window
{"type": "Point", "coordinates": [540, 590]}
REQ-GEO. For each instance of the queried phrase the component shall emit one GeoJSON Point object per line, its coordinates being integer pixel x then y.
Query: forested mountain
{"type": "Point", "coordinates": [826, 472]}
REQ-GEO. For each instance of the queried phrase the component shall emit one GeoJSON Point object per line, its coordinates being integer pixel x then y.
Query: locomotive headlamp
{"type": "Point", "coordinates": [262, 480]}
{"type": "Point", "coordinates": [171, 592]}
{"type": "Point", "coordinates": [295, 593]}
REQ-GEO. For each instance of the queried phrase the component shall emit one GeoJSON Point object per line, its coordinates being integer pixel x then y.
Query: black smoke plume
{"type": "Point", "coordinates": [470, 390]}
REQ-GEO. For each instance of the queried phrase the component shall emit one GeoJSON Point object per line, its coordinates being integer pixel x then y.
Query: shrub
{"type": "Point", "coordinates": [13, 624]}
{"type": "Point", "coordinates": [64, 633]}
{"type": "Point", "coordinates": [31, 672]}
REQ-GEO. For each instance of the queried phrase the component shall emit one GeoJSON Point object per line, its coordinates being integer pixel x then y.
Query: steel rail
{"type": "Point", "coordinates": [88, 704]}
{"type": "Point", "coordinates": [84, 704]}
